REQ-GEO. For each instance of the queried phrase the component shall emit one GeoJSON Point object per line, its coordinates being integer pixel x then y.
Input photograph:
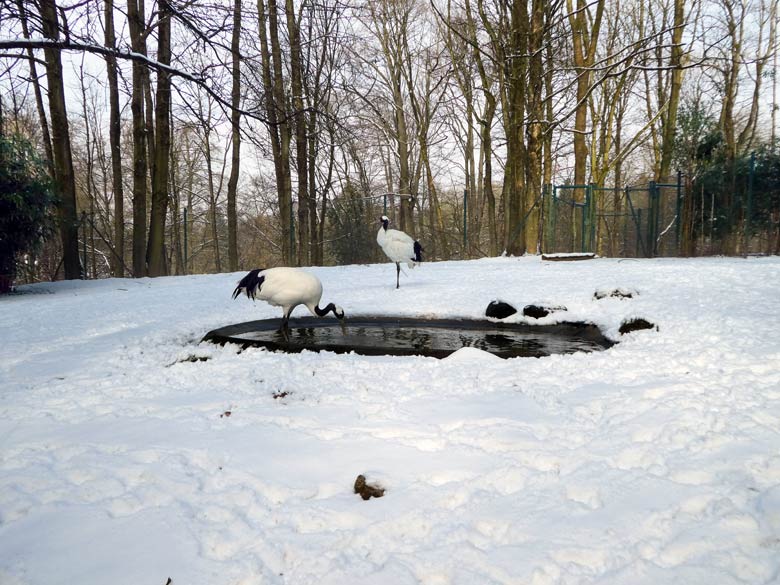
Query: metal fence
{"type": "Point", "coordinates": [673, 218]}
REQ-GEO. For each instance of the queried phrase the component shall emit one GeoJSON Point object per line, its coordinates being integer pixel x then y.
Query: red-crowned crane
{"type": "Point", "coordinates": [286, 288]}
{"type": "Point", "coordinates": [399, 247]}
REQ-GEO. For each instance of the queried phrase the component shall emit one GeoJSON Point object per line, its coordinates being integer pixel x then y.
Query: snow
{"type": "Point", "coordinates": [656, 461]}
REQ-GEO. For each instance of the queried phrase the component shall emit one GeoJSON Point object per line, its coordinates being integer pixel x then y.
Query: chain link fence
{"type": "Point", "coordinates": [732, 212]}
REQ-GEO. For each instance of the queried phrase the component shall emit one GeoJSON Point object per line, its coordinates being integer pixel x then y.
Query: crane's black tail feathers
{"type": "Point", "coordinates": [250, 284]}
{"type": "Point", "coordinates": [418, 249]}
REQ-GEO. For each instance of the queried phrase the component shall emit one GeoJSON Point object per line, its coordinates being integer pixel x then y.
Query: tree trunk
{"type": "Point", "coordinates": [235, 158]}
{"type": "Point", "coordinates": [748, 134]}
{"type": "Point", "coordinates": [114, 134]}
{"type": "Point", "coordinates": [162, 150]}
{"type": "Point", "coordinates": [485, 133]}
{"type": "Point", "coordinates": [45, 137]}
{"type": "Point", "coordinates": [63, 158]}
{"type": "Point", "coordinates": [206, 121]}
{"type": "Point", "coordinates": [731, 79]}
{"type": "Point", "coordinates": [486, 144]}
{"type": "Point", "coordinates": [515, 88]}
{"type": "Point", "coordinates": [279, 130]}
{"type": "Point", "coordinates": [406, 203]}
{"type": "Point", "coordinates": [670, 119]}
{"type": "Point", "coordinates": [536, 115]}
{"type": "Point", "coordinates": [299, 121]}
{"type": "Point", "coordinates": [584, 43]}
{"type": "Point", "coordinates": [136, 28]}
{"type": "Point", "coordinates": [89, 168]}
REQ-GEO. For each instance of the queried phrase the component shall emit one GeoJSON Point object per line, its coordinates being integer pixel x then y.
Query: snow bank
{"type": "Point", "coordinates": [656, 461]}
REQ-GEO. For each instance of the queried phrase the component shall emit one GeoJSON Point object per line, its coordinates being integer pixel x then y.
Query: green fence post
{"type": "Point", "coordinates": [749, 211]}
{"type": "Point", "coordinates": [625, 219]}
{"type": "Point", "coordinates": [639, 231]}
{"type": "Point", "coordinates": [593, 218]}
{"type": "Point", "coordinates": [546, 213]}
{"type": "Point", "coordinates": [678, 219]}
{"type": "Point", "coordinates": [651, 220]}
{"type": "Point", "coordinates": [465, 220]}
{"type": "Point", "coordinates": [656, 220]}
{"type": "Point", "coordinates": [292, 235]}
{"type": "Point", "coordinates": [84, 244]}
{"type": "Point", "coordinates": [583, 219]}
{"type": "Point", "coordinates": [554, 204]}
{"type": "Point", "coordinates": [185, 241]}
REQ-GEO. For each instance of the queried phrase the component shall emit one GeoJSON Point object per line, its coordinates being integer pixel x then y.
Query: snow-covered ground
{"type": "Point", "coordinates": [654, 462]}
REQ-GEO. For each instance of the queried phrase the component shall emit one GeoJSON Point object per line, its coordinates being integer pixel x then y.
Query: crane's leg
{"type": "Point", "coordinates": [397, 275]}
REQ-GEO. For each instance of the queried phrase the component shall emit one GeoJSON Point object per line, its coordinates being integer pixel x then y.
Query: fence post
{"type": "Point", "coordinates": [546, 213]}
{"type": "Point", "coordinates": [186, 259]}
{"type": "Point", "coordinates": [651, 220]}
{"type": "Point", "coordinates": [554, 204]}
{"type": "Point", "coordinates": [583, 219]}
{"type": "Point", "coordinates": [639, 234]}
{"type": "Point", "coordinates": [84, 245]}
{"type": "Point", "coordinates": [592, 216]}
{"type": "Point", "coordinates": [678, 225]}
{"type": "Point", "coordinates": [465, 220]}
{"type": "Point", "coordinates": [292, 235]}
{"type": "Point", "coordinates": [749, 211]}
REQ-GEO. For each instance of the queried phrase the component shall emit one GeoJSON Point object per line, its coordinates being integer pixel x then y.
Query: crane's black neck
{"type": "Point", "coordinates": [329, 308]}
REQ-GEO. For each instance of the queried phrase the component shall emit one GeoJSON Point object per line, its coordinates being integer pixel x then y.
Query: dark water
{"type": "Point", "coordinates": [436, 338]}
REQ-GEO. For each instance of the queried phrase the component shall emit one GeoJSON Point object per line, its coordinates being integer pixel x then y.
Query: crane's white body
{"type": "Point", "coordinates": [399, 246]}
{"type": "Point", "coordinates": [290, 287]}
{"type": "Point", "coordinates": [286, 288]}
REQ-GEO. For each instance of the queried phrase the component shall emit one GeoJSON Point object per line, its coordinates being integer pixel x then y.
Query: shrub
{"type": "Point", "coordinates": [26, 202]}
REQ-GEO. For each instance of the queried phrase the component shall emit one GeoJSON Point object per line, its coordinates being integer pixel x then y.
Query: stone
{"type": "Point", "coordinates": [499, 310]}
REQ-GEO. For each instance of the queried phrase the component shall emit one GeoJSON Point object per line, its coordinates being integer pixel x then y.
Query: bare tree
{"type": "Point", "coordinates": [159, 213]}
{"type": "Point", "coordinates": [585, 29]}
{"type": "Point", "coordinates": [235, 124]}
{"type": "Point", "coordinates": [60, 134]}
{"type": "Point", "coordinates": [46, 138]}
{"type": "Point", "coordinates": [137, 31]}
{"type": "Point", "coordinates": [115, 130]}
{"type": "Point", "coordinates": [277, 117]}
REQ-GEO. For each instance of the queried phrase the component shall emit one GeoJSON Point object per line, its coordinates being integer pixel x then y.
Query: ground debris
{"type": "Point", "coordinates": [191, 359]}
{"type": "Point", "coordinates": [636, 324]}
{"type": "Point", "coordinates": [367, 490]}
{"type": "Point", "coordinates": [539, 311]}
{"type": "Point", "coordinates": [618, 293]}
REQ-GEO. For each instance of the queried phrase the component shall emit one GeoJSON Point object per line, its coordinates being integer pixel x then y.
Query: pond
{"type": "Point", "coordinates": [382, 335]}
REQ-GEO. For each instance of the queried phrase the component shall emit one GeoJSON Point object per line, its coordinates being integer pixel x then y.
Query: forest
{"type": "Point", "coordinates": [196, 136]}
